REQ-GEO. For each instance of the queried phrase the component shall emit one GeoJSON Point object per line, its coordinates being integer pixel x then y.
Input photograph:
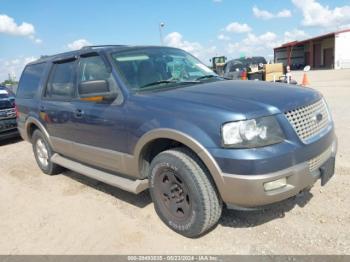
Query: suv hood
{"type": "Point", "coordinates": [248, 98]}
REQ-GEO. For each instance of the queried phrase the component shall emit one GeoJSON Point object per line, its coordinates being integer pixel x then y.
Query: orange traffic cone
{"type": "Point", "coordinates": [305, 81]}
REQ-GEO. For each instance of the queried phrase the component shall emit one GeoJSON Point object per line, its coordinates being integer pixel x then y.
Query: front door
{"type": "Point", "coordinates": [99, 138]}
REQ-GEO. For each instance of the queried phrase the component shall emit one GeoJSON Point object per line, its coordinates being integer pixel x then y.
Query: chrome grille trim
{"type": "Point", "coordinates": [304, 120]}
{"type": "Point", "coordinates": [10, 113]}
{"type": "Point", "coordinates": [318, 161]}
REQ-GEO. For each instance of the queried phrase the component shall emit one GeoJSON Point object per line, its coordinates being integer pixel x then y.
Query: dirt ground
{"type": "Point", "coordinates": [71, 214]}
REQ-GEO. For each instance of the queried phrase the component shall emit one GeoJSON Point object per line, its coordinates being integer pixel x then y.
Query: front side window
{"type": "Point", "coordinates": [151, 68]}
{"type": "Point", "coordinates": [93, 68]}
{"type": "Point", "coordinates": [30, 80]}
{"type": "Point", "coordinates": [61, 81]}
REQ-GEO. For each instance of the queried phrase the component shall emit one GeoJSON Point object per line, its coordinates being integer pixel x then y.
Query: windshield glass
{"type": "Point", "coordinates": [154, 68]}
{"type": "Point", "coordinates": [3, 93]}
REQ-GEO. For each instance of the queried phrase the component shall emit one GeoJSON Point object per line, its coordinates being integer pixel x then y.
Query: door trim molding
{"type": "Point", "coordinates": [107, 159]}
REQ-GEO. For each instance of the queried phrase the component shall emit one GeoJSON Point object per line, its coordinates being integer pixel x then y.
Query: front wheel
{"type": "Point", "coordinates": [184, 197]}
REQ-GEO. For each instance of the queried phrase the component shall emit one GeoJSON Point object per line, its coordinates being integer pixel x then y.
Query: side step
{"type": "Point", "coordinates": [133, 186]}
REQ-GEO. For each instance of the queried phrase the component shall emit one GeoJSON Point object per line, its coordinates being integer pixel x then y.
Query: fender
{"type": "Point", "coordinates": [31, 120]}
{"type": "Point", "coordinates": [188, 141]}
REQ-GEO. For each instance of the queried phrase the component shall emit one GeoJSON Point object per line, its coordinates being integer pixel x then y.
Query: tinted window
{"type": "Point", "coordinates": [61, 81]}
{"type": "Point", "coordinates": [30, 80]}
{"type": "Point", "coordinates": [93, 68]}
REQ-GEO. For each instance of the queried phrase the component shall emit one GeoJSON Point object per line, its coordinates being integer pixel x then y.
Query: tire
{"type": "Point", "coordinates": [183, 194]}
{"type": "Point", "coordinates": [43, 153]}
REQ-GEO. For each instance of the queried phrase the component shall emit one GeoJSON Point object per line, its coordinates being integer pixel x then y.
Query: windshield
{"type": "Point", "coordinates": [3, 93]}
{"type": "Point", "coordinates": [155, 68]}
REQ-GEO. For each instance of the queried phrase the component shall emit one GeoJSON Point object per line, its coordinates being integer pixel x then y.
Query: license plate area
{"type": "Point", "coordinates": [327, 170]}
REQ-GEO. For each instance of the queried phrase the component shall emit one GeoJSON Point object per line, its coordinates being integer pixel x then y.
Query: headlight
{"type": "Point", "coordinates": [252, 133]}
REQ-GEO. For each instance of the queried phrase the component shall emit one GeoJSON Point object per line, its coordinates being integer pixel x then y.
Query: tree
{"type": "Point", "coordinates": [10, 81]}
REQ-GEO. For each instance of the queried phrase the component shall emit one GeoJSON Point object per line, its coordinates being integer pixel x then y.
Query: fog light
{"type": "Point", "coordinates": [279, 183]}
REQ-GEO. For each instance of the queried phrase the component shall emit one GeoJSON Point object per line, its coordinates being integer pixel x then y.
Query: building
{"type": "Point", "coordinates": [326, 51]}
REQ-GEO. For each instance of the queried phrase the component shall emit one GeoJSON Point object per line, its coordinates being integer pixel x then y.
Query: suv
{"type": "Point", "coordinates": [157, 118]}
{"type": "Point", "coordinates": [8, 125]}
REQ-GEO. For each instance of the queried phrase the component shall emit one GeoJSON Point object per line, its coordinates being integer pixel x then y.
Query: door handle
{"type": "Point", "coordinates": [79, 113]}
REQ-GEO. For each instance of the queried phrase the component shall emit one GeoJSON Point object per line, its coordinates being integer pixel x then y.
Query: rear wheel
{"type": "Point", "coordinates": [43, 153]}
{"type": "Point", "coordinates": [183, 194]}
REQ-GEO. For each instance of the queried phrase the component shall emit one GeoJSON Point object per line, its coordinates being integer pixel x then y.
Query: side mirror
{"type": "Point", "coordinates": [307, 68]}
{"type": "Point", "coordinates": [95, 90]}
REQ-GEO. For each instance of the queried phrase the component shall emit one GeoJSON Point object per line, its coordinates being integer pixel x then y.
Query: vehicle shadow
{"type": "Point", "coordinates": [252, 218]}
{"type": "Point", "coordinates": [229, 218]}
{"type": "Point", "coordinates": [10, 141]}
{"type": "Point", "coordinates": [141, 200]}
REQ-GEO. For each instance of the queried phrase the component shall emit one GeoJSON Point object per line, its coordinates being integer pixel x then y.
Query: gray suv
{"type": "Point", "coordinates": [157, 118]}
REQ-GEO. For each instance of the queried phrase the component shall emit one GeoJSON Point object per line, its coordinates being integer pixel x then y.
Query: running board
{"type": "Point", "coordinates": [133, 186]}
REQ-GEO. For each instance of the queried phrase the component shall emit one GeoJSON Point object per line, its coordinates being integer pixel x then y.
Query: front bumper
{"type": "Point", "coordinates": [247, 191]}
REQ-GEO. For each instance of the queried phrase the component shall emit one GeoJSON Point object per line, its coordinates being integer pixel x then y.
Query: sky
{"type": "Point", "coordinates": [205, 28]}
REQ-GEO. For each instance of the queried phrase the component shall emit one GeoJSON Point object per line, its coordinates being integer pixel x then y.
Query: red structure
{"type": "Point", "coordinates": [318, 52]}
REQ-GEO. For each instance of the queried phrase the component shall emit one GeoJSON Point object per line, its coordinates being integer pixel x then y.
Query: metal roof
{"type": "Point", "coordinates": [294, 43]}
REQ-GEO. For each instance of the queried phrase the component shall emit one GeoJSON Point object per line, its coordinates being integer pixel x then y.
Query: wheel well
{"type": "Point", "coordinates": [32, 127]}
{"type": "Point", "coordinates": [153, 148]}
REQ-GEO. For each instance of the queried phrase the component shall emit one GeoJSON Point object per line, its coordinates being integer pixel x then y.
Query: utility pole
{"type": "Point", "coordinates": [161, 25]}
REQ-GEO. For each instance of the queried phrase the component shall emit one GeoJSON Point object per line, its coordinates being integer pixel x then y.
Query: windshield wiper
{"type": "Point", "coordinates": [207, 77]}
{"type": "Point", "coordinates": [159, 82]}
{"type": "Point", "coordinates": [169, 81]}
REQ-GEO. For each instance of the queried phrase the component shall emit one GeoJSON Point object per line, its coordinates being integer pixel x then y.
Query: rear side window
{"type": "Point", "coordinates": [61, 81]}
{"type": "Point", "coordinates": [30, 80]}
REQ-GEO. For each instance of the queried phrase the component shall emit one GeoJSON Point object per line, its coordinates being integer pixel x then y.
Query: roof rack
{"type": "Point", "coordinates": [99, 46]}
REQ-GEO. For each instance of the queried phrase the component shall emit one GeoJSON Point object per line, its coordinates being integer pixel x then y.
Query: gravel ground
{"type": "Point", "coordinates": [71, 214]}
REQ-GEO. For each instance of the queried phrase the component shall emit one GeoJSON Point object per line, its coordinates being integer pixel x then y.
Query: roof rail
{"type": "Point", "coordinates": [98, 46]}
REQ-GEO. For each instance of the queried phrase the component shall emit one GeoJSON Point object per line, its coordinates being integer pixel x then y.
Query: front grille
{"type": "Point", "coordinates": [5, 104]}
{"type": "Point", "coordinates": [318, 161]}
{"type": "Point", "coordinates": [309, 121]}
{"type": "Point", "coordinates": [7, 113]}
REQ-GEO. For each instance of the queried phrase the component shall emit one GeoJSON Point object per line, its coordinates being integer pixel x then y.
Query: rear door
{"type": "Point", "coordinates": [56, 107]}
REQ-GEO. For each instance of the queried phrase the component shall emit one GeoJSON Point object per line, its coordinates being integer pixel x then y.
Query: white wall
{"type": "Point", "coordinates": [342, 51]}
